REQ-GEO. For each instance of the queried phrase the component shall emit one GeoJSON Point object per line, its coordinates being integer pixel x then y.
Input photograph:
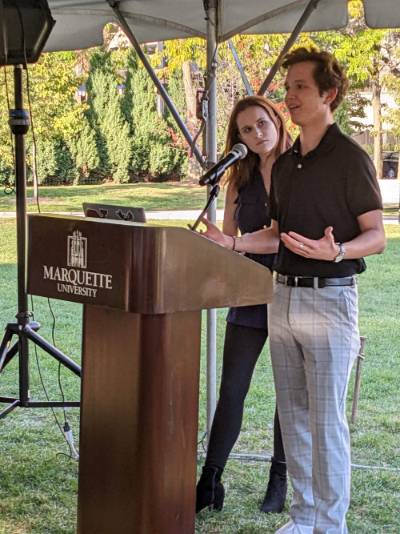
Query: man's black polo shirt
{"type": "Point", "coordinates": [330, 186]}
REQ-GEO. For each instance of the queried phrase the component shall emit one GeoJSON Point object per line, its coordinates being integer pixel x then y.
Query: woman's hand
{"type": "Point", "coordinates": [213, 233]}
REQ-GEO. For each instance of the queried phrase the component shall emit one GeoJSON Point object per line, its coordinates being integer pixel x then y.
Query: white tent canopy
{"type": "Point", "coordinates": [79, 23]}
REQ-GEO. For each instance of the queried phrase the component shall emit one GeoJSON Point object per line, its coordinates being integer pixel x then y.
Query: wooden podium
{"type": "Point", "coordinates": [143, 288]}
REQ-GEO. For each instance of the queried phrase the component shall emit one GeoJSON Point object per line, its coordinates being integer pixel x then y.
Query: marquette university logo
{"type": "Point", "coordinates": [75, 279]}
{"type": "Point", "coordinates": [77, 250]}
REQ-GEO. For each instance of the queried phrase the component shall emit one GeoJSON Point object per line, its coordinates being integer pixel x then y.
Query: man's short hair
{"type": "Point", "coordinates": [328, 74]}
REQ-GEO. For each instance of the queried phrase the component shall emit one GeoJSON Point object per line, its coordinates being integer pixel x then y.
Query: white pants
{"type": "Point", "coordinates": [314, 341]}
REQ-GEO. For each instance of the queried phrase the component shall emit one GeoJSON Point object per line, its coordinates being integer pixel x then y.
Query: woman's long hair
{"type": "Point", "coordinates": [240, 173]}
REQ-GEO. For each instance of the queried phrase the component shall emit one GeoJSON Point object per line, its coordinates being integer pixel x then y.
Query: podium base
{"type": "Point", "coordinates": [139, 420]}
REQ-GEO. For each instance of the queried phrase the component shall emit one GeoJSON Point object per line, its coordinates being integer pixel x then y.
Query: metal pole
{"type": "Point", "coordinates": [211, 146]}
{"type": "Point", "coordinates": [245, 80]}
{"type": "Point", "coordinates": [160, 101]}
{"type": "Point", "coordinates": [357, 379]}
{"type": "Point", "coordinates": [19, 124]}
{"type": "Point", "coordinates": [312, 4]}
{"type": "Point", "coordinates": [161, 89]}
{"type": "Point", "coordinates": [20, 171]}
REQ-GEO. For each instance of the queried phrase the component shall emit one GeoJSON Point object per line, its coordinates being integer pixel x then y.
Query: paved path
{"type": "Point", "coordinates": [390, 190]}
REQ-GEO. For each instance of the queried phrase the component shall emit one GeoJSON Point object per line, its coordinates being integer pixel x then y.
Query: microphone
{"type": "Point", "coordinates": [238, 151]}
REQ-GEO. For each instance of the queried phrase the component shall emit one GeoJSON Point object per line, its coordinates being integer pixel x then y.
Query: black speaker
{"type": "Point", "coordinates": [25, 26]}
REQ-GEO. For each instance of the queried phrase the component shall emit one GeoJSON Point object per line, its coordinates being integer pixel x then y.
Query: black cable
{"type": "Point", "coordinates": [67, 427]}
{"type": "Point", "coordinates": [9, 188]}
{"type": "Point", "coordinates": [53, 329]}
{"type": "Point", "coordinates": [29, 97]}
{"type": "Point", "coordinates": [28, 92]}
{"type": "Point", "coordinates": [201, 441]}
{"type": "Point", "coordinates": [45, 390]}
{"type": "Point", "coordinates": [199, 131]}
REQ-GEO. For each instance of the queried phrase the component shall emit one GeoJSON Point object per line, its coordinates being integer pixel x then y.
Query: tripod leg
{"type": "Point", "coordinates": [53, 351]}
{"type": "Point", "coordinates": [23, 370]}
{"type": "Point", "coordinates": [9, 355]}
{"type": "Point", "coordinates": [10, 408]}
{"type": "Point", "coordinates": [4, 348]}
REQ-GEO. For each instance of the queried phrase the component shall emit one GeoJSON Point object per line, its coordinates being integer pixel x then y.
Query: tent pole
{"type": "Point", "coordinates": [161, 89]}
{"type": "Point", "coordinates": [239, 65]}
{"type": "Point", "coordinates": [312, 4]}
{"type": "Point", "coordinates": [211, 7]}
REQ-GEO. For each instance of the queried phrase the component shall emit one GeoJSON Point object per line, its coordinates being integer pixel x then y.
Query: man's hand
{"type": "Point", "coordinates": [316, 249]}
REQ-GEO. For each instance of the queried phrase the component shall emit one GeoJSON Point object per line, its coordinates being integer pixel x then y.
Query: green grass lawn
{"type": "Point", "coordinates": [38, 483]}
{"type": "Point", "coordinates": [164, 196]}
{"type": "Point", "coordinates": [150, 196]}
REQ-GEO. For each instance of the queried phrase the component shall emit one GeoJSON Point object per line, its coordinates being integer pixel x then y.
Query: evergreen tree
{"type": "Point", "coordinates": [46, 160]}
{"type": "Point", "coordinates": [142, 115]}
{"type": "Point", "coordinates": [118, 140]}
{"type": "Point", "coordinates": [84, 150]}
{"type": "Point", "coordinates": [107, 119]}
{"type": "Point", "coordinates": [65, 164]}
{"type": "Point", "coordinates": [154, 149]}
{"type": "Point", "coordinates": [55, 164]}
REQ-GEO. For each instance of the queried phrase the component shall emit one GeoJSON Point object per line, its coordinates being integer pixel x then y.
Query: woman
{"type": "Point", "coordinates": [258, 124]}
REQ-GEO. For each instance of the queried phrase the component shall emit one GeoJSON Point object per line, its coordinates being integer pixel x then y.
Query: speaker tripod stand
{"type": "Point", "coordinates": [15, 342]}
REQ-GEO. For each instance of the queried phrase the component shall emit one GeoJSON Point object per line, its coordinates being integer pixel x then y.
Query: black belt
{"type": "Point", "coordinates": [315, 282]}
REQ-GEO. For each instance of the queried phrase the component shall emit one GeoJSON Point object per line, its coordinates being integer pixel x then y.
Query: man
{"type": "Point", "coordinates": [326, 215]}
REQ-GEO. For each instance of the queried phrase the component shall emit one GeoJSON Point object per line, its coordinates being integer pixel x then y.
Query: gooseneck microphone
{"type": "Point", "coordinates": [238, 151]}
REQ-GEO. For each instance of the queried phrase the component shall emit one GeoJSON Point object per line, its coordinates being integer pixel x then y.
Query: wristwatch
{"type": "Point", "coordinates": [341, 253]}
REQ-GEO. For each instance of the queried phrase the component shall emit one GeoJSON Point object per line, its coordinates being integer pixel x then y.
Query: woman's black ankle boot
{"type": "Point", "coordinates": [275, 495]}
{"type": "Point", "coordinates": [210, 491]}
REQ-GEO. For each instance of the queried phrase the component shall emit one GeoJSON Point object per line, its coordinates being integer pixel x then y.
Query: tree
{"type": "Point", "coordinates": [84, 150]}
{"type": "Point", "coordinates": [52, 85]}
{"type": "Point", "coordinates": [368, 56]}
{"type": "Point", "coordinates": [107, 119]}
{"type": "Point", "coordinates": [392, 115]}
{"type": "Point", "coordinates": [154, 148]}
{"type": "Point", "coordinates": [55, 119]}
{"type": "Point", "coordinates": [6, 145]}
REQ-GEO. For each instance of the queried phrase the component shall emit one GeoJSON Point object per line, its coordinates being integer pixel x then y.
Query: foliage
{"type": "Point", "coordinates": [371, 58]}
{"type": "Point", "coordinates": [153, 149]}
{"type": "Point", "coordinates": [66, 166]}
{"type": "Point", "coordinates": [107, 119]}
{"type": "Point", "coordinates": [122, 137]}
{"type": "Point", "coordinates": [176, 91]}
{"type": "Point", "coordinates": [391, 115]}
{"type": "Point", "coordinates": [84, 150]}
{"type": "Point", "coordinates": [177, 51]}
{"type": "Point", "coordinates": [142, 112]}
{"type": "Point", "coordinates": [55, 164]}
{"type": "Point", "coordinates": [78, 141]}
{"type": "Point", "coordinates": [6, 173]}
{"type": "Point", "coordinates": [350, 113]}
{"type": "Point", "coordinates": [47, 162]}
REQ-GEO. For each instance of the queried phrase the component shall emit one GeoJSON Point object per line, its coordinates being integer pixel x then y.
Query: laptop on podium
{"type": "Point", "coordinates": [111, 211]}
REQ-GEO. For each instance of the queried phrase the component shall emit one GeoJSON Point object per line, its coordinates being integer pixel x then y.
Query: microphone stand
{"type": "Point", "coordinates": [238, 151]}
{"type": "Point", "coordinates": [214, 192]}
